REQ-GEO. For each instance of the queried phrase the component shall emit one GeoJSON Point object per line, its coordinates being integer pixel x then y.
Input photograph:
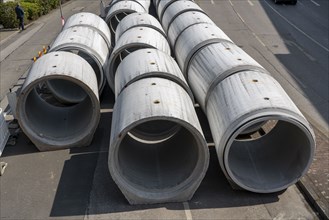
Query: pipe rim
{"type": "Point", "coordinates": [266, 116]}
{"type": "Point", "coordinates": [140, 43]}
{"type": "Point", "coordinates": [91, 53]}
{"type": "Point", "coordinates": [68, 140]}
{"type": "Point", "coordinates": [114, 11]}
{"type": "Point", "coordinates": [192, 181]}
{"type": "Point", "coordinates": [160, 74]}
{"type": "Point", "coordinates": [174, 40]}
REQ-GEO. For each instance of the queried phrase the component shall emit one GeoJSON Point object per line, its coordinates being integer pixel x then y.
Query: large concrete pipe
{"type": "Point", "coordinates": [138, 20]}
{"type": "Point", "coordinates": [145, 3]}
{"type": "Point", "coordinates": [162, 5]}
{"type": "Point", "coordinates": [48, 124]}
{"type": "Point", "coordinates": [175, 9]}
{"type": "Point", "coordinates": [169, 169]}
{"type": "Point", "coordinates": [120, 10]}
{"type": "Point", "coordinates": [90, 45]}
{"type": "Point", "coordinates": [272, 158]}
{"type": "Point", "coordinates": [146, 63]}
{"type": "Point", "coordinates": [92, 21]}
{"type": "Point", "coordinates": [213, 63]}
{"type": "Point", "coordinates": [134, 39]}
{"type": "Point", "coordinates": [193, 39]}
{"type": "Point", "coordinates": [185, 20]}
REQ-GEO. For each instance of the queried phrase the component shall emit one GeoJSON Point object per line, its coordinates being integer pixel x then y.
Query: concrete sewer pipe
{"type": "Point", "coordinates": [138, 20]}
{"type": "Point", "coordinates": [118, 11]}
{"type": "Point", "coordinates": [175, 9]}
{"type": "Point", "coordinates": [274, 156]}
{"type": "Point", "coordinates": [134, 39]}
{"type": "Point", "coordinates": [87, 43]}
{"type": "Point", "coordinates": [184, 21]}
{"type": "Point", "coordinates": [146, 63]}
{"type": "Point", "coordinates": [144, 3]}
{"type": "Point", "coordinates": [92, 21]}
{"type": "Point", "coordinates": [161, 6]}
{"type": "Point", "coordinates": [193, 39]}
{"type": "Point", "coordinates": [49, 124]}
{"type": "Point", "coordinates": [264, 144]}
{"type": "Point", "coordinates": [205, 72]}
{"type": "Point", "coordinates": [159, 165]}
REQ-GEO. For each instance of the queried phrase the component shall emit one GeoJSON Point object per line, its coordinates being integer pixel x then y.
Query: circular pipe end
{"type": "Point", "coordinates": [268, 154]}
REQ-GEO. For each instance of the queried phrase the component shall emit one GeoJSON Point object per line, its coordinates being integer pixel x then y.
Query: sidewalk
{"type": "Point", "coordinates": [62, 185]}
{"type": "Point", "coordinates": [6, 34]}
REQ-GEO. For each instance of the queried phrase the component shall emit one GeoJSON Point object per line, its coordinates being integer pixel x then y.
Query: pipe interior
{"type": "Point", "coordinates": [122, 54]}
{"type": "Point", "coordinates": [160, 165]}
{"type": "Point", "coordinates": [98, 69]}
{"type": "Point", "coordinates": [271, 161]}
{"type": "Point", "coordinates": [66, 92]}
{"type": "Point", "coordinates": [154, 131]}
{"type": "Point", "coordinates": [50, 120]}
{"type": "Point", "coordinates": [115, 20]}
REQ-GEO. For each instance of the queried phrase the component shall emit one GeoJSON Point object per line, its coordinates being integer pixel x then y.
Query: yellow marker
{"type": "Point", "coordinates": [34, 59]}
{"type": "Point", "coordinates": [44, 50]}
{"type": "Point", "coordinates": [40, 53]}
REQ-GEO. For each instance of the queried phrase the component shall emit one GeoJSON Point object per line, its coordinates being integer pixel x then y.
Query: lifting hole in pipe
{"type": "Point", "coordinates": [158, 166]}
{"type": "Point", "coordinates": [271, 162]}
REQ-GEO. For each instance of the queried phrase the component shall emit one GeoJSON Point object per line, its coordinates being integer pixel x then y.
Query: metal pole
{"type": "Point", "coordinates": [60, 9]}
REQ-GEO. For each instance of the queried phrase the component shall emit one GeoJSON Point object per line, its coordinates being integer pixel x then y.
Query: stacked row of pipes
{"type": "Point", "coordinates": [157, 150]}
{"type": "Point", "coordinates": [58, 105]}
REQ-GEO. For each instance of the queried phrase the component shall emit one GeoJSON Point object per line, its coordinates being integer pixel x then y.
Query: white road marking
{"type": "Point", "coordinates": [187, 211]}
{"type": "Point", "coordinates": [250, 3]}
{"type": "Point", "coordinates": [106, 110]}
{"type": "Point", "coordinates": [314, 2]}
{"type": "Point", "coordinates": [231, 2]}
{"type": "Point", "coordinates": [260, 41]}
{"type": "Point", "coordinates": [212, 2]}
{"type": "Point", "coordinates": [240, 17]}
{"type": "Point", "coordinates": [298, 29]}
{"type": "Point", "coordinates": [301, 49]}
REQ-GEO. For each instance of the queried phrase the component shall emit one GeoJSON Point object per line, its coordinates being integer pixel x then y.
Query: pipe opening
{"type": "Point", "coordinates": [257, 130]}
{"type": "Point", "coordinates": [122, 54]}
{"type": "Point", "coordinates": [56, 122]}
{"type": "Point", "coordinates": [115, 20]}
{"type": "Point", "coordinates": [158, 166]}
{"type": "Point", "coordinates": [69, 93]}
{"type": "Point", "coordinates": [98, 69]}
{"type": "Point", "coordinates": [272, 161]}
{"type": "Point", "coordinates": [155, 131]}
{"type": "Point", "coordinates": [126, 52]}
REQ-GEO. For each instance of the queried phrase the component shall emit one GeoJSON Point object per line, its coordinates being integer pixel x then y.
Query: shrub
{"type": "Point", "coordinates": [7, 15]}
{"type": "Point", "coordinates": [32, 10]}
{"type": "Point", "coordinates": [45, 5]}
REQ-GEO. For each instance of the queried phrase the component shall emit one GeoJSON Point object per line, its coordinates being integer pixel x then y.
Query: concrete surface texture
{"type": "Point", "coordinates": [289, 41]}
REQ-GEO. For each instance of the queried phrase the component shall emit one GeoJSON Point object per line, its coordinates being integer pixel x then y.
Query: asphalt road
{"type": "Point", "coordinates": [75, 183]}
